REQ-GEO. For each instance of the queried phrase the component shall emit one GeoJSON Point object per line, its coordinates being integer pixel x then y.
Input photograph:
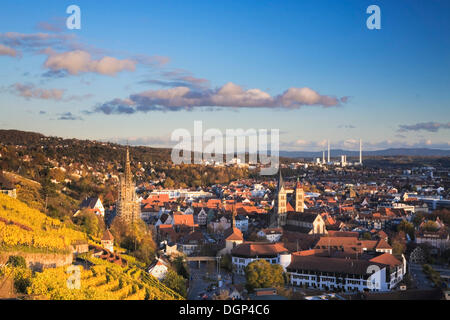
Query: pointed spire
{"type": "Point", "coordinates": [280, 180]}
{"type": "Point", "coordinates": [233, 218]}
{"type": "Point", "coordinates": [298, 185]}
{"type": "Point", "coordinates": [127, 166]}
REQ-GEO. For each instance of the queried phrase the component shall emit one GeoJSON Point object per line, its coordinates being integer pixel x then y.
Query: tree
{"type": "Point", "coordinates": [226, 262]}
{"type": "Point", "coordinates": [22, 275]}
{"type": "Point", "coordinates": [398, 248]}
{"type": "Point", "coordinates": [17, 261]}
{"type": "Point", "coordinates": [443, 214]}
{"type": "Point", "coordinates": [175, 282]}
{"type": "Point", "coordinates": [119, 229]}
{"type": "Point", "coordinates": [22, 279]}
{"type": "Point", "coordinates": [181, 267]}
{"type": "Point", "coordinates": [417, 220]}
{"type": "Point", "coordinates": [406, 227]}
{"type": "Point", "coordinates": [262, 274]}
{"type": "Point", "coordinates": [90, 222]}
{"type": "Point", "coordinates": [57, 174]}
{"type": "Point", "coordinates": [430, 226]}
{"type": "Point", "coordinates": [169, 183]}
{"type": "Point", "coordinates": [136, 238]}
{"type": "Point", "coordinates": [367, 236]}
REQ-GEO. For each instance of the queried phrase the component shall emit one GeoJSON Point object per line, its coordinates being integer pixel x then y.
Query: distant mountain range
{"type": "Point", "coordinates": [336, 153]}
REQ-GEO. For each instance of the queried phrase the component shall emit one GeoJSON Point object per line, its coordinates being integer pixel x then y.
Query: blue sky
{"type": "Point", "coordinates": [389, 87]}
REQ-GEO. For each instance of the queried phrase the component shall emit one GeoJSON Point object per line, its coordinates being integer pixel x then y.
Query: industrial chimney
{"type": "Point", "coordinates": [328, 151]}
{"type": "Point", "coordinates": [360, 151]}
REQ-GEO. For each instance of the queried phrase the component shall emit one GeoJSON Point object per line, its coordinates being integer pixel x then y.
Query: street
{"type": "Point", "coordinates": [419, 278]}
{"type": "Point", "coordinates": [204, 277]}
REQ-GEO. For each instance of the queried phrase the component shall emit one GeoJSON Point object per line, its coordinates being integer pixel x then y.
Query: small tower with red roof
{"type": "Point", "coordinates": [108, 241]}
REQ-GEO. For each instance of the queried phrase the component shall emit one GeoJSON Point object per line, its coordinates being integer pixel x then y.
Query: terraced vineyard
{"type": "Point", "coordinates": [104, 281]}
{"type": "Point", "coordinates": [24, 227]}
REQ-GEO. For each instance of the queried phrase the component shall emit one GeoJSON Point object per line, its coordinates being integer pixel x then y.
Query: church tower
{"type": "Point", "coordinates": [128, 206]}
{"type": "Point", "coordinates": [281, 196]}
{"type": "Point", "coordinates": [281, 202]}
{"type": "Point", "coordinates": [233, 217]}
{"type": "Point", "coordinates": [299, 197]}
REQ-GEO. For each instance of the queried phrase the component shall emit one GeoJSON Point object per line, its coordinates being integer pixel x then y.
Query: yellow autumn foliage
{"type": "Point", "coordinates": [106, 281]}
{"type": "Point", "coordinates": [33, 229]}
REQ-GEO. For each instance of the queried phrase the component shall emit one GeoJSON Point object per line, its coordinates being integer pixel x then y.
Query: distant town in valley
{"type": "Point", "coordinates": [322, 228]}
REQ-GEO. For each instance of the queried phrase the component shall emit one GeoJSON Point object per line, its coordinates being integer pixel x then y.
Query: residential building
{"type": "Point", "coordinates": [245, 253]}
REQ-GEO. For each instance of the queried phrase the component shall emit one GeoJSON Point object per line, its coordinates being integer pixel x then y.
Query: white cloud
{"type": "Point", "coordinates": [229, 95]}
{"type": "Point", "coordinates": [30, 91]}
{"type": "Point", "coordinates": [78, 61]}
{"type": "Point", "coordinates": [426, 126]}
{"type": "Point", "coordinates": [7, 51]}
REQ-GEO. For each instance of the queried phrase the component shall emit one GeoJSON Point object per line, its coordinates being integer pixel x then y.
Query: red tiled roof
{"type": "Point", "coordinates": [386, 258]}
{"type": "Point", "coordinates": [382, 244]}
{"type": "Point", "coordinates": [327, 264]}
{"type": "Point", "coordinates": [107, 236]}
{"type": "Point", "coordinates": [253, 249]}
{"type": "Point", "coordinates": [183, 219]}
{"type": "Point", "coordinates": [233, 234]}
{"type": "Point", "coordinates": [333, 233]}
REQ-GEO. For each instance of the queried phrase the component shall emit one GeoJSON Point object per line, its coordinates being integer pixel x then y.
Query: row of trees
{"type": "Point", "coordinates": [185, 175]}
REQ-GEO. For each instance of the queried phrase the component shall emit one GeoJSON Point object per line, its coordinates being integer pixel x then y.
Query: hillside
{"type": "Point", "coordinates": [103, 281]}
{"type": "Point", "coordinates": [83, 168]}
{"type": "Point", "coordinates": [25, 231]}
{"type": "Point", "coordinates": [86, 151]}
{"type": "Point", "coordinates": [24, 228]}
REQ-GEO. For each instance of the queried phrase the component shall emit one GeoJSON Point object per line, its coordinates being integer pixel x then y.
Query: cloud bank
{"type": "Point", "coordinates": [426, 126]}
{"type": "Point", "coordinates": [35, 41]}
{"type": "Point", "coordinates": [228, 96]}
{"type": "Point", "coordinates": [30, 91]}
{"type": "Point", "coordinates": [69, 116]}
{"type": "Point", "coordinates": [79, 61]}
{"type": "Point", "coordinates": [179, 78]}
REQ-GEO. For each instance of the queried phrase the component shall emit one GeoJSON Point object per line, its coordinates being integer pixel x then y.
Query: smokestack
{"type": "Point", "coordinates": [360, 151]}
{"type": "Point", "coordinates": [323, 156]}
{"type": "Point", "coordinates": [328, 151]}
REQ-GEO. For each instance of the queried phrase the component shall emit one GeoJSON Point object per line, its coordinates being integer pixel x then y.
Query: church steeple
{"type": "Point", "coordinates": [281, 196]}
{"type": "Point", "coordinates": [298, 185]}
{"type": "Point", "coordinates": [128, 206]}
{"type": "Point", "coordinates": [280, 181]}
{"type": "Point", "coordinates": [128, 176]}
{"type": "Point", "coordinates": [233, 219]}
{"type": "Point", "coordinates": [299, 197]}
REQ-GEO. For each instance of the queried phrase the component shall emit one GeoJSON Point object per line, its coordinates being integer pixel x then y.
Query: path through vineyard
{"type": "Point", "coordinates": [7, 287]}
